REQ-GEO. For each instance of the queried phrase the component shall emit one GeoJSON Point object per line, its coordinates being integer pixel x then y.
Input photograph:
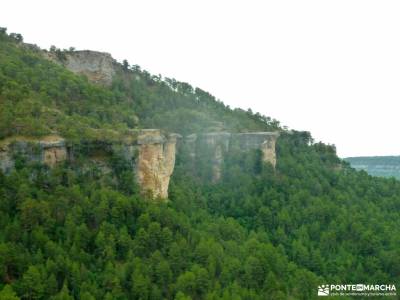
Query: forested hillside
{"type": "Point", "coordinates": [383, 166]}
{"type": "Point", "coordinates": [39, 97]}
{"type": "Point", "coordinates": [77, 232]}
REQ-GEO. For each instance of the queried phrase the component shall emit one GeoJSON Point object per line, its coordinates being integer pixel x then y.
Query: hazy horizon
{"type": "Point", "coordinates": [329, 68]}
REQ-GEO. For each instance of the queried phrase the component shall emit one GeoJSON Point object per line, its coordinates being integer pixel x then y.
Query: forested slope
{"type": "Point", "coordinates": [39, 97]}
{"type": "Point", "coordinates": [74, 232]}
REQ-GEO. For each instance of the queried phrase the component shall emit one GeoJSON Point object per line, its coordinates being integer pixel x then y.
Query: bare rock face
{"type": "Point", "coordinates": [99, 67]}
{"type": "Point", "coordinates": [218, 144]}
{"type": "Point", "coordinates": [149, 151]}
{"type": "Point", "coordinates": [156, 161]}
{"type": "Point", "coordinates": [48, 150]}
{"type": "Point", "coordinates": [6, 159]}
{"type": "Point", "coordinates": [54, 152]}
{"type": "Point", "coordinates": [265, 141]}
{"type": "Point", "coordinates": [190, 142]}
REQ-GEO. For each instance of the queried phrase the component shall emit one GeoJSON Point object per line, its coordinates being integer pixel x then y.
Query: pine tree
{"type": "Point", "coordinates": [7, 293]}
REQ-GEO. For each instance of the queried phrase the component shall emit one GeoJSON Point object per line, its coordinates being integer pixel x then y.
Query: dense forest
{"type": "Point", "coordinates": [383, 166]}
{"type": "Point", "coordinates": [74, 232]}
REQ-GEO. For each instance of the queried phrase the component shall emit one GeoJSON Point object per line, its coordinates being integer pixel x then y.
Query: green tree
{"type": "Point", "coordinates": [63, 294]}
{"type": "Point", "coordinates": [182, 296]}
{"type": "Point", "coordinates": [7, 293]}
{"type": "Point", "coordinates": [32, 286]}
{"type": "Point", "coordinates": [186, 283]}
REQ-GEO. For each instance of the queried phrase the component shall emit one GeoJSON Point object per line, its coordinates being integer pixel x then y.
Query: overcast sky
{"type": "Point", "coordinates": [329, 67]}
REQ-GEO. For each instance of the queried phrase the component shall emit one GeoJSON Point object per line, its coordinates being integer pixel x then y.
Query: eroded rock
{"type": "Point", "coordinates": [265, 141]}
{"type": "Point", "coordinates": [6, 159]}
{"type": "Point", "coordinates": [48, 150]}
{"type": "Point", "coordinates": [150, 152]}
{"type": "Point", "coordinates": [99, 67]}
{"type": "Point", "coordinates": [156, 161]}
{"type": "Point", "coordinates": [54, 152]}
{"type": "Point", "coordinates": [217, 144]}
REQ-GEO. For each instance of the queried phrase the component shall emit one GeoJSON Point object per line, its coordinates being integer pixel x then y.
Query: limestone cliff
{"type": "Point", "coordinates": [217, 144]}
{"type": "Point", "coordinates": [54, 151]}
{"type": "Point", "coordinates": [48, 150]}
{"type": "Point", "coordinates": [99, 67]}
{"type": "Point", "coordinates": [150, 152]}
{"type": "Point", "coordinates": [6, 159]}
{"type": "Point", "coordinates": [156, 161]}
{"type": "Point", "coordinates": [265, 141]}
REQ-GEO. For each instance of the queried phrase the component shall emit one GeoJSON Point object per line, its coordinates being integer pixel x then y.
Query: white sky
{"type": "Point", "coordinates": [329, 67]}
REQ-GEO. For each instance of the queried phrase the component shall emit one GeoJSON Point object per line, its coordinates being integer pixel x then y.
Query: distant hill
{"type": "Point", "coordinates": [384, 166]}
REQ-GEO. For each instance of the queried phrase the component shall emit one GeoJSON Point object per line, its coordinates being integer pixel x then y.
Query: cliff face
{"type": "Point", "coordinates": [48, 150]}
{"type": "Point", "coordinates": [156, 161]}
{"type": "Point", "coordinates": [6, 159]}
{"type": "Point", "coordinates": [217, 144]}
{"type": "Point", "coordinates": [265, 141]}
{"type": "Point", "coordinates": [99, 67]}
{"type": "Point", "coordinates": [151, 153]}
{"type": "Point", "coordinates": [54, 152]}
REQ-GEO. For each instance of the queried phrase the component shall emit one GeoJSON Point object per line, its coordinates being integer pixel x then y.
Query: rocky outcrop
{"type": "Point", "coordinates": [6, 159]}
{"type": "Point", "coordinates": [53, 152]}
{"type": "Point", "coordinates": [150, 152]}
{"type": "Point", "coordinates": [99, 67]}
{"type": "Point", "coordinates": [190, 143]}
{"type": "Point", "coordinates": [48, 150]}
{"type": "Point", "coordinates": [217, 144]}
{"type": "Point", "coordinates": [156, 161]}
{"type": "Point", "coordinates": [265, 141]}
